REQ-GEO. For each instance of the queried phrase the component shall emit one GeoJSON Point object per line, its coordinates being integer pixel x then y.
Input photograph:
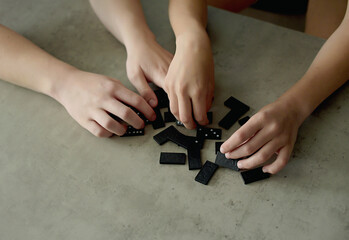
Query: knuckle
{"type": "Point", "coordinates": [249, 149]}
{"type": "Point", "coordinates": [240, 136]}
{"type": "Point", "coordinates": [139, 100]}
{"type": "Point", "coordinates": [125, 113]}
{"type": "Point", "coordinates": [99, 132]}
{"type": "Point", "coordinates": [109, 124]}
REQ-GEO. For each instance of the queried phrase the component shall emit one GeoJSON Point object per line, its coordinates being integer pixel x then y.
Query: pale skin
{"type": "Point", "coordinates": [87, 97]}
{"type": "Point", "coordinates": [187, 77]}
{"type": "Point", "coordinates": [274, 128]}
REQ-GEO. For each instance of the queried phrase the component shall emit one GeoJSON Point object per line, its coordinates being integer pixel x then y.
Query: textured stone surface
{"type": "Point", "coordinates": [57, 181]}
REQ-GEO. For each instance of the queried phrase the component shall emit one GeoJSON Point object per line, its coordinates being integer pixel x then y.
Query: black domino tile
{"type": "Point", "coordinates": [206, 172]}
{"type": "Point", "coordinates": [222, 161]}
{"type": "Point", "coordinates": [116, 118]}
{"type": "Point", "coordinates": [254, 175]}
{"type": "Point", "coordinates": [209, 133]}
{"type": "Point", "coordinates": [162, 137]}
{"type": "Point", "coordinates": [172, 158]}
{"type": "Point", "coordinates": [194, 158]}
{"type": "Point", "coordinates": [218, 146]}
{"type": "Point", "coordinates": [179, 123]}
{"type": "Point", "coordinates": [229, 120]}
{"type": "Point", "coordinates": [168, 117]}
{"type": "Point", "coordinates": [162, 97]}
{"type": "Point", "coordinates": [180, 139]}
{"type": "Point", "coordinates": [159, 121]}
{"type": "Point", "coordinates": [209, 117]}
{"type": "Point", "coordinates": [243, 120]}
{"type": "Point", "coordinates": [235, 104]}
{"type": "Point", "coordinates": [237, 109]}
{"type": "Point", "coordinates": [131, 132]}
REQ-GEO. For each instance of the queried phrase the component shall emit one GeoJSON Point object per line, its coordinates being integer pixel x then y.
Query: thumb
{"type": "Point", "coordinates": [140, 83]}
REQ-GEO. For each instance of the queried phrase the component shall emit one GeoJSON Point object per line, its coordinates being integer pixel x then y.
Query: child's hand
{"type": "Point", "coordinates": [89, 98]}
{"type": "Point", "coordinates": [190, 80]}
{"type": "Point", "coordinates": [272, 130]}
{"type": "Point", "coordinates": [147, 62]}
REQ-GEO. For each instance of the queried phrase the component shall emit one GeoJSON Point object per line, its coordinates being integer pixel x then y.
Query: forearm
{"type": "Point", "coordinates": [26, 65]}
{"type": "Point", "coordinates": [124, 19]}
{"type": "Point", "coordinates": [189, 19]}
{"type": "Point", "coordinates": [329, 70]}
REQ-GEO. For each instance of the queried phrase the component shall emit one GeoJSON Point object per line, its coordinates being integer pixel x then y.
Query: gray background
{"type": "Point", "coordinates": [57, 181]}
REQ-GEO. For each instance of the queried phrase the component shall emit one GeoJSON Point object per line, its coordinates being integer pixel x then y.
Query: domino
{"type": "Point", "coordinates": [254, 175]}
{"type": "Point", "coordinates": [159, 121]}
{"type": "Point", "coordinates": [194, 158]}
{"type": "Point", "coordinates": [209, 133]}
{"type": "Point", "coordinates": [243, 120]}
{"type": "Point", "coordinates": [222, 161]}
{"type": "Point", "coordinates": [206, 172]}
{"type": "Point", "coordinates": [131, 132]}
{"type": "Point", "coordinates": [172, 158]}
{"type": "Point", "coordinates": [162, 97]}
{"type": "Point", "coordinates": [218, 146]}
{"type": "Point", "coordinates": [237, 110]}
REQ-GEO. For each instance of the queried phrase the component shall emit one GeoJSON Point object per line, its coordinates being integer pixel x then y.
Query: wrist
{"type": "Point", "coordinates": [295, 106]}
{"type": "Point", "coordinates": [194, 39]}
{"type": "Point", "coordinates": [58, 82]}
{"type": "Point", "coordinates": [138, 37]}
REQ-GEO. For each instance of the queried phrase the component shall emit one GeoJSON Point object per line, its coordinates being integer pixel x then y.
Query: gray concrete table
{"type": "Point", "coordinates": [57, 181]}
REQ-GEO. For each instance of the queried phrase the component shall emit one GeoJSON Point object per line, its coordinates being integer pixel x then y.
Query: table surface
{"type": "Point", "coordinates": [57, 181]}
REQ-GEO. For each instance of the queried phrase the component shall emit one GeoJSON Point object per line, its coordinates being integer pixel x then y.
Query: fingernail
{"type": "Point", "coordinates": [153, 117]}
{"type": "Point", "coordinates": [264, 170]}
{"type": "Point", "coordinates": [222, 150]}
{"type": "Point", "coordinates": [239, 164]}
{"type": "Point", "coordinates": [152, 103]}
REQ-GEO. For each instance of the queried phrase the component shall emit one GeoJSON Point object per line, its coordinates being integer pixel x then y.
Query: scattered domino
{"type": "Point", "coordinates": [159, 121]}
{"type": "Point", "coordinates": [218, 146]}
{"type": "Point", "coordinates": [162, 97]}
{"type": "Point", "coordinates": [206, 172]}
{"type": "Point", "coordinates": [237, 109]}
{"type": "Point", "coordinates": [254, 175]}
{"type": "Point", "coordinates": [194, 158]}
{"type": "Point", "coordinates": [168, 117]}
{"type": "Point", "coordinates": [131, 132]}
{"type": "Point", "coordinates": [243, 120]}
{"type": "Point", "coordinates": [172, 158]}
{"type": "Point", "coordinates": [209, 133]}
{"type": "Point", "coordinates": [222, 161]}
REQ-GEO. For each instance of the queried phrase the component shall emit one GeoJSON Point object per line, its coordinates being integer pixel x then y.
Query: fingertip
{"type": "Point", "coordinates": [153, 102]}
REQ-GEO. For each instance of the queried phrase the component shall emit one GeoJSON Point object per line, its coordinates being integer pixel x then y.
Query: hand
{"type": "Point", "coordinates": [89, 98]}
{"type": "Point", "coordinates": [147, 62]}
{"type": "Point", "coordinates": [272, 130]}
{"type": "Point", "coordinates": [190, 79]}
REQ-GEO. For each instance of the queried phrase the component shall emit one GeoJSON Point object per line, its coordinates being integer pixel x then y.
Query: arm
{"type": "Point", "coordinates": [274, 128]}
{"type": "Point", "coordinates": [146, 59]}
{"type": "Point", "coordinates": [190, 79]}
{"type": "Point", "coordinates": [87, 97]}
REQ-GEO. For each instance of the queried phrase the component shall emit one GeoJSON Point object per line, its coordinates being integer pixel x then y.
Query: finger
{"type": "Point", "coordinates": [260, 157]}
{"type": "Point", "coordinates": [97, 130]}
{"type": "Point", "coordinates": [108, 123]}
{"type": "Point", "coordinates": [199, 109]}
{"type": "Point", "coordinates": [252, 145]}
{"type": "Point", "coordinates": [245, 132]}
{"type": "Point", "coordinates": [185, 112]}
{"type": "Point", "coordinates": [125, 113]}
{"type": "Point", "coordinates": [140, 82]}
{"type": "Point", "coordinates": [173, 104]}
{"type": "Point", "coordinates": [127, 96]}
{"type": "Point", "coordinates": [281, 160]}
{"type": "Point", "coordinates": [209, 98]}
